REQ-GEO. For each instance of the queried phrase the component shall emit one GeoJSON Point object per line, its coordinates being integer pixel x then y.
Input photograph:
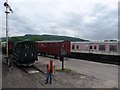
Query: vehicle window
{"type": "Point", "coordinates": [90, 47]}
{"type": "Point", "coordinates": [29, 45]}
{"type": "Point", "coordinates": [73, 46]}
{"type": "Point", "coordinates": [24, 45]}
{"type": "Point", "coordinates": [113, 47]}
{"type": "Point", "coordinates": [101, 47]}
{"type": "Point", "coordinates": [77, 47]}
{"type": "Point", "coordinates": [95, 47]}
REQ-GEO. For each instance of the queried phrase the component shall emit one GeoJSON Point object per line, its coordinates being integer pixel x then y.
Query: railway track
{"type": "Point", "coordinates": [32, 71]}
{"type": "Point", "coordinates": [38, 75]}
{"type": "Point", "coordinates": [46, 73]}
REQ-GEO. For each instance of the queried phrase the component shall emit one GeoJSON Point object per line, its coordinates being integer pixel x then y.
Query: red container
{"type": "Point", "coordinates": [53, 47]}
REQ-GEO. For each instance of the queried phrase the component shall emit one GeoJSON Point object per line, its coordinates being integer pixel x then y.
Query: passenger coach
{"type": "Point", "coordinates": [103, 47]}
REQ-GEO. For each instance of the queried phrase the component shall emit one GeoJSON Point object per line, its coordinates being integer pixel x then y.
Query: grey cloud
{"type": "Point", "coordinates": [119, 20]}
{"type": "Point", "coordinates": [104, 25]}
{"type": "Point", "coordinates": [48, 17]}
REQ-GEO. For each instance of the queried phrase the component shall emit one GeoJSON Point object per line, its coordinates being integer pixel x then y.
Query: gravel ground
{"type": "Point", "coordinates": [72, 79]}
{"type": "Point", "coordinates": [17, 78]}
{"type": "Point", "coordinates": [103, 75]}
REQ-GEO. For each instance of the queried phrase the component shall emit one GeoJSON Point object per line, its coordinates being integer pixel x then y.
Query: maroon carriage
{"type": "Point", "coordinates": [53, 47]}
{"type": "Point", "coordinates": [10, 47]}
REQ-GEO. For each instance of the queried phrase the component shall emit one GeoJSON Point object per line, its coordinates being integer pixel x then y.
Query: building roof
{"type": "Point", "coordinates": [50, 41]}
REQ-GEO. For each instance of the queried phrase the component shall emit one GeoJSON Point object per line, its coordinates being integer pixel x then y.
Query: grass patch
{"type": "Point", "coordinates": [65, 70]}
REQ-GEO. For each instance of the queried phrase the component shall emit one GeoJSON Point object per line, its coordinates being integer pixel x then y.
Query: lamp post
{"type": "Point", "coordinates": [8, 10]}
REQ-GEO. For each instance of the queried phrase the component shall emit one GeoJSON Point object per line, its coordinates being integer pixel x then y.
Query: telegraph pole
{"type": "Point", "coordinates": [8, 8]}
{"type": "Point", "coordinates": [6, 29]}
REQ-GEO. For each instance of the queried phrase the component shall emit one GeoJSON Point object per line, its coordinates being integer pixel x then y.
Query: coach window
{"type": "Point", "coordinates": [77, 47]}
{"type": "Point", "coordinates": [113, 47]}
{"type": "Point", "coordinates": [95, 47]}
{"type": "Point", "coordinates": [90, 47]}
{"type": "Point", "coordinates": [101, 47]}
{"type": "Point", "coordinates": [73, 47]}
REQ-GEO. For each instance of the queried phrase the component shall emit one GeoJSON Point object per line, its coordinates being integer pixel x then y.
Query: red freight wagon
{"type": "Point", "coordinates": [53, 47]}
{"type": "Point", "coordinates": [10, 47]}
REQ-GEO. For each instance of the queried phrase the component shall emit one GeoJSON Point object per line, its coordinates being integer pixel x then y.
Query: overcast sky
{"type": "Point", "coordinates": [87, 19]}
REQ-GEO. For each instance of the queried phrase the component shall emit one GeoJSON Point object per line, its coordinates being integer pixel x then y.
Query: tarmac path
{"type": "Point", "coordinates": [106, 73]}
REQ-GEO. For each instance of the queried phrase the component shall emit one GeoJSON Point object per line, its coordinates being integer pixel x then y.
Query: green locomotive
{"type": "Point", "coordinates": [25, 53]}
